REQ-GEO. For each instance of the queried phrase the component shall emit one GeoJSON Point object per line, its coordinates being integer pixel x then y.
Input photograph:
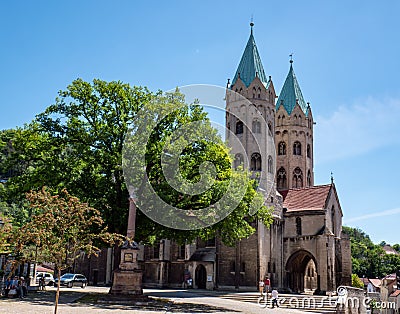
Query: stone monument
{"type": "Point", "coordinates": [127, 279]}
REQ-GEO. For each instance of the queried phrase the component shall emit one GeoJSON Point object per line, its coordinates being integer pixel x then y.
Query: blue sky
{"type": "Point", "coordinates": [345, 58]}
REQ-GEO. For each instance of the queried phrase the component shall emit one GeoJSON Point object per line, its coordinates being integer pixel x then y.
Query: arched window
{"type": "Point", "coordinates": [296, 148]}
{"type": "Point", "coordinates": [256, 126]}
{"type": "Point", "coordinates": [309, 178]}
{"type": "Point", "coordinates": [270, 164]}
{"type": "Point", "coordinates": [308, 150]}
{"type": "Point", "coordinates": [299, 122]}
{"type": "Point", "coordinates": [279, 121]}
{"type": "Point", "coordinates": [281, 148]}
{"type": "Point", "coordinates": [270, 128]}
{"type": "Point", "coordinates": [283, 120]}
{"type": "Point", "coordinates": [295, 120]}
{"type": "Point", "coordinates": [239, 127]}
{"type": "Point", "coordinates": [238, 160]}
{"type": "Point", "coordinates": [259, 92]}
{"type": "Point", "coordinates": [254, 92]}
{"type": "Point", "coordinates": [297, 178]}
{"type": "Point", "coordinates": [298, 226]}
{"type": "Point", "coordinates": [255, 164]}
{"type": "Point", "coordinates": [333, 219]}
{"type": "Point", "coordinates": [281, 179]}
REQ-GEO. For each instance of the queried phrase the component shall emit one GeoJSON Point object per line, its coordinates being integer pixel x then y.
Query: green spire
{"type": "Point", "coordinates": [250, 65]}
{"type": "Point", "coordinates": [291, 93]}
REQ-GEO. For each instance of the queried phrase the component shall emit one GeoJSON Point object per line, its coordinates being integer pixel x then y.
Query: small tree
{"type": "Point", "coordinates": [62, 226]}
{"type": "Point", "coordinates": [356, 282]}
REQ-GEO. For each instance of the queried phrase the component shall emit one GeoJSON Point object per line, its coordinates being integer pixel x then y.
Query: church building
{"type": "Point", "coordinates": [304, 249]}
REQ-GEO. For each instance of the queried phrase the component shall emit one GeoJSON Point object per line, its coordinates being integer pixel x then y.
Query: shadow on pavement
{"type": "Point", "coordinates": [155, 302]}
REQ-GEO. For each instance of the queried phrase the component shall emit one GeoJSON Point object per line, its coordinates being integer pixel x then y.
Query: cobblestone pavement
{"type": "Point", "coordinates": [76, 300]}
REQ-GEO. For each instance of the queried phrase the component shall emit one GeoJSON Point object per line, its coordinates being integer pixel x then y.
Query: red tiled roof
{"type": "Point", "coordinates": [376, 282]}
{"type": "Point", "coordinates": [389, 250]}
{"type": "Point", "coordinates": [395, 293]}
{"type": "Point", "coordinates": [310, 198]}
{"type": "Point", "coordinates": [391, 276]}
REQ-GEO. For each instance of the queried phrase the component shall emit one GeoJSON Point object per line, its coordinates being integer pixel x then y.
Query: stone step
{"type": "Point", "coordinates": [306, 303]}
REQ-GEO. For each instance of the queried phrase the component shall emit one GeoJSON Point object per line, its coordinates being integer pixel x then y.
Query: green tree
{"type": "Point", "coordinates": [369, 259]}
{"type": "Point", "coordinates": [181, 133]}
{"type": "Point", "coordinates": [5, 234]}
{"type": "Point", "coordinates": [77, 144]}
{"type": "Point", "coordinates": [62, 227]}
{"type": "Point", "coordinates": [356, 281]}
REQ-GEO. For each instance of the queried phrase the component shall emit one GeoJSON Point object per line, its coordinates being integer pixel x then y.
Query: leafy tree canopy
{"type": "Point", "coordinates": [77, 144]}
{"type": "Point", "coordinates": [369, 259]}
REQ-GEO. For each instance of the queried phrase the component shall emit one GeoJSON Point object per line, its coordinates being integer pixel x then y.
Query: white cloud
{"type": "Point", "coordinates": [356, 129]}
{"type": "Point", "coordinates": [388, 212]}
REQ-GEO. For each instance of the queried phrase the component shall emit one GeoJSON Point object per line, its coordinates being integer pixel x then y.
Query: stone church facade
{"type": "Point", "coordinates": [304, 250]}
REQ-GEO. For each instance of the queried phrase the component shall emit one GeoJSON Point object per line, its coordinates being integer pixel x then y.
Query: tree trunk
{"type": "Point", "coordinates": [58, 290]}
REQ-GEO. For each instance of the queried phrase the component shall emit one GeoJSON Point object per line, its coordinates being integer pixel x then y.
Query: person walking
{"type": "Point", "coordinates": [275, 296]}
{"type": "Point", "coordinates": [267, 284]}
{"type": "Point", "coordinates": [261, 287]}
{"type": "Point", "coordinates": [24, 287]}
{"type": "Point", "coordinates": [20, 292]}
{"type": "Point", "coordinates": [42, 283]}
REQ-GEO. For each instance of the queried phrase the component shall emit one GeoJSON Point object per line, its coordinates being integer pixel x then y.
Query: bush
{"type": "Point", "coordinates": [356, 282]}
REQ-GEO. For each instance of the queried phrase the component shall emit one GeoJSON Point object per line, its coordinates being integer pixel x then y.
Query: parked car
{"type": "Point", "coordinates": [71, 280]}
{"type": "Point", "coordinates": [48, 277]}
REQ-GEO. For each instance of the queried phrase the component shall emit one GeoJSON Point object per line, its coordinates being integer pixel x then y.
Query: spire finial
{"type": "Point", "coordinates": [331, 177]}
{"type": "Point", "coordinates": [251, 24]}
{"type": "Point", "coordinates": [291, 58]}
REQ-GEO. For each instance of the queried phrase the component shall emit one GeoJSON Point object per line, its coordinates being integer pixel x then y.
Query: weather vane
{"type": "Point", "coordinates": [291, 57]}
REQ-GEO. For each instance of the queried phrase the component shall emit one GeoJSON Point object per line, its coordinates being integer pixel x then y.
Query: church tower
{"type": "Point", "coordinates": [250, 119]}
{"type": "Point", "coordinates": [293, 137]}
{"type": "Point", "coordinates": [250, 116]}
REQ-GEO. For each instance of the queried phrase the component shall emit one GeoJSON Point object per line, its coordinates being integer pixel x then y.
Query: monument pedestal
{"type": "Point", "coordinates": [127, 279]}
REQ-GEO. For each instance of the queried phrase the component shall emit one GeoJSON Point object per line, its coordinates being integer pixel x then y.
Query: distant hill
{"type": "Point", "coordinates": [372, 260]}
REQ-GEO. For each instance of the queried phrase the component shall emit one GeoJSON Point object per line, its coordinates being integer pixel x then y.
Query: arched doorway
{"type": "Point", "coordinates": [201, 277]}
{"type": "Point", "coordinates": [302, 272]}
